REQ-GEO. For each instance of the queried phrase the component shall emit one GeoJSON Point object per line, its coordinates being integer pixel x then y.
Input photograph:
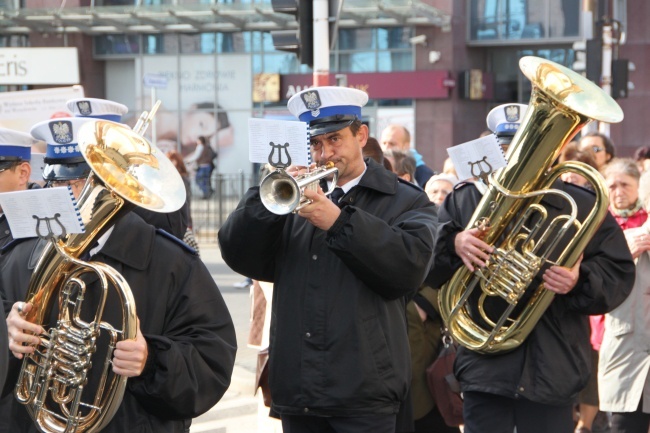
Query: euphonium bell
{"type": "Point", "coordinates": [561, 103]}
{"type": "Point", "coordinates": [282, 194]}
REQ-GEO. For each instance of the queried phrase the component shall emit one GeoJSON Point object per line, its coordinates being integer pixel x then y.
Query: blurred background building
{"type": "Point", "coordinates": [436, 66]}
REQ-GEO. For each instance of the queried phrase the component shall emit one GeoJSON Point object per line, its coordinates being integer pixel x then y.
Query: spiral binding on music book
{"type": "Point", "coordinates": [76, 209]}
{"type": "Point", "coordinates": [309, 159]}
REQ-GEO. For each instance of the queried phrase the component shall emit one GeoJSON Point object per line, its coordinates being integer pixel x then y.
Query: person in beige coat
{"type": "Point", "coordinates": [624, 383]}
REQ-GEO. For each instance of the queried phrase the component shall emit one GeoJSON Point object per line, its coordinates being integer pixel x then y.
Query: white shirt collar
{"type": "Point", "coordinates": [351, 184]}
{"type": "Point", "coordinates": [101, 241]}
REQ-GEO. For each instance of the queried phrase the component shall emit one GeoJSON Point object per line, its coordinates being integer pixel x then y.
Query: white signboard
{"type": "Point", "coordinates": [202, 99]}
{"type": "Point", "coordinates": [20, 110]}
{"type": "Point", "coordinates": [40, 66]}
{"type": "Point", "coordinates": [155, 81]}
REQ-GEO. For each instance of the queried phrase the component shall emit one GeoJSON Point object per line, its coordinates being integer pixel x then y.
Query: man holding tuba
{"type": "Point", "coordinates": [180, 362]}
{"type": "Point", "coordinates": [533, 386]}
{"type": "Point", "coordinates": [339, 355]}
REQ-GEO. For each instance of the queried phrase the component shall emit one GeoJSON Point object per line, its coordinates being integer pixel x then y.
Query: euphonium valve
{"type": "Point", "coordinates": [282, 194]}
{"type": "Point", "coordinates": [514, 221]}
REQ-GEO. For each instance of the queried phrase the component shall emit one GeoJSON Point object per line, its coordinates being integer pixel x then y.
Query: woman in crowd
{"type": "Point", "coordinates": [625, 351]}
{"type": "Point", "coordinates": [439, 186]}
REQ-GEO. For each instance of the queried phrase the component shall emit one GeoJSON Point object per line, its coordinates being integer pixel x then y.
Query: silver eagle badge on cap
{"type": "Point", "coordinates": [61, 132]}
{"type": "Point", "coordinates": [312, 101]}
{"type": "Point", "coordinates": [512, 113]}
{"type": "Point", "coordinates": [85, 109]}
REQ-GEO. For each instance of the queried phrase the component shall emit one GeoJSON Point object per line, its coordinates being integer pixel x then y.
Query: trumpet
{"type": "Point", "coordinates": [282, 194]}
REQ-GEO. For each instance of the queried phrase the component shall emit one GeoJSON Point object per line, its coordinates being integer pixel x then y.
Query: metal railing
{"type": "Point", "coordinates": [208, 215]}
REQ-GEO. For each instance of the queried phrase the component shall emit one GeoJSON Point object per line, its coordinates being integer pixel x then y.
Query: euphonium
{"type": "Point", "coordinates": [282, 194]}
{"type": "Point", "coordinates": [55, 381]}
{"type": "Point", "coordinates": [561, 103]}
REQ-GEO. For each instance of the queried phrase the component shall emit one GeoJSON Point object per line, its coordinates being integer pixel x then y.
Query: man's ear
{"type": "Point", "coordinates": [24, 171]}
{"type": "Point", "coordinates": [363, 135]}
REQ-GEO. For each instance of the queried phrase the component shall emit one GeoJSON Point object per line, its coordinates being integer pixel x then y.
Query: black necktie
{"type": "Point", "coordinates": [337, 194]}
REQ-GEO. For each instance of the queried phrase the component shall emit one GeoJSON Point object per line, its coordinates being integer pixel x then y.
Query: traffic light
{"type": "Point", "coordinates": [589, 58]}
{"type": "Point", "coordinates": [620, 86]}
{"type": "Point", "coordinates": [301, 41]}
{"type": "Point", "coordinates": [594, 60]}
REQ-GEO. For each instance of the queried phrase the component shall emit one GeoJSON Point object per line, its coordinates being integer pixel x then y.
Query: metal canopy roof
{"type": "Point", "coordinates": [211, 17]}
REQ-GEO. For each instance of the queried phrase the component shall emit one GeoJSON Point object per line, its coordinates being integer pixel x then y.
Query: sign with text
{"type": "Point", "coordinates": [381, 85]}
{"type": "Point", "coordinates": [23, 66]}
{"type": "Point", "coordinates": [20, 110]}
{"type": "Point", "coordinates": [156, 81]}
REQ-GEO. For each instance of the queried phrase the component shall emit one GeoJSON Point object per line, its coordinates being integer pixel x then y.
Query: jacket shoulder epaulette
{"type": "Point", "coordinates": [177, 241]}
{"type": "Point", "coordinates": [463, 184]}
{"type": "Point", "coordinates": [11, 244]}
{"type": "Point", "coordinates": [406, 182]}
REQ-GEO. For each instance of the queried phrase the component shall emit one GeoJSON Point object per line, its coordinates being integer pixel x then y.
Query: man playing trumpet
{"type": "Point", "coordinates": [339, 355]}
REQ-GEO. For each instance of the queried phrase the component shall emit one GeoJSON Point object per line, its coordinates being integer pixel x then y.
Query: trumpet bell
{"type": "Point", "coordinates": [280, 193]}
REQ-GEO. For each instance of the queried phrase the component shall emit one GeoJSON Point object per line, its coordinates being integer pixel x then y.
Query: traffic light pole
{"type": "Point", "coordinates": [321, 43]}
{"type": "Point", "coordinates": [606, 77]}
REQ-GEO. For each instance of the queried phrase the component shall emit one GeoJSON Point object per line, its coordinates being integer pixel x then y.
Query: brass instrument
{"type": "Point", "coordinates": [561, 103]}
{"type": "Point", "coordinates": [54, 381]}
{"type": "Point", "coordinates": [282, 194]}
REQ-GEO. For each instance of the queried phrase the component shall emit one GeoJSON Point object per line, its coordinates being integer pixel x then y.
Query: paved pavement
{"type": "Point", "coordinates": [237, 412]}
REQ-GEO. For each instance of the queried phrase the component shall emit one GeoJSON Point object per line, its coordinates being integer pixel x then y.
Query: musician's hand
{"type": "Point", "coordinates": [321, 212]}
{"type": "Point", "coordinates": [561, 280]}
{"type": "Point", "coordinates": [471, 248]}
{"type": "Point", "coordinates": [23, 335]}
{"type": "Point", "coordinates": [130, 356]}
{"type": "Point", "coordinates": [298, 170]}
{"type": "Point", "coordinates": [638, 241]}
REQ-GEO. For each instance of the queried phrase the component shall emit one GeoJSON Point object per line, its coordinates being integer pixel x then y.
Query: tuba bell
{"type": "Point", "coordinates": [561, 103]}
{"type": "Point", "coordinates": [55, 381]}
{"type": "Point", "coordinates": [282, 194]}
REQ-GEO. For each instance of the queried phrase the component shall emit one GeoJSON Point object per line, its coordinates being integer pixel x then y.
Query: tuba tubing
{"type": "Point", "coordinates": [562, 102]}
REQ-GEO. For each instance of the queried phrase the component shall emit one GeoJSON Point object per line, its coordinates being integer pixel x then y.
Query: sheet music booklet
{"type": "Point", "coordinates": [54, 207]}
{"type": "Point", "coordinates": [477, 158]}
{"type": "Point", "coordinates": [283, 141]}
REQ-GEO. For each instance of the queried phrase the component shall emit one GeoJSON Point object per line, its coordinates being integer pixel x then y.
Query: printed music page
{"type": "Point", "coordinates": [477, 157]}
{"type": "Point", "coordinates": [278, 141]}
{"type": "Point", "coordinates": [37, 212]}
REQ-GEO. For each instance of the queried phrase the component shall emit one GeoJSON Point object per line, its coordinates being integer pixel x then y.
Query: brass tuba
{"type": "Point", "coordinates": [561, 103]}
{"type": "Point", "coordinates": [126, 171]}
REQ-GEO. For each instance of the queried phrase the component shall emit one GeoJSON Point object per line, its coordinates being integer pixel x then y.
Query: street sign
{"type": "Point", "coordinates": [155, 80]}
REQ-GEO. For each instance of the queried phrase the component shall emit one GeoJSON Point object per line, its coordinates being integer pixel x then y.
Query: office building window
{"type": "Point", "coordinates": [509, 83]}
{"type": "Point", "coordinates": [525, 20]}
{"type": "Point", "coordinates": [117, 45]}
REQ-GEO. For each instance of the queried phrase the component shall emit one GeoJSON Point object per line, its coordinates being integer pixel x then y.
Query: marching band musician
{"type": "Point", "coordinates": [181, 362]}
{"type": "Point", "coordinates": [533, 387]}
{"type": "Point", "coordinates": [339, 355]}
{"type": "Point", "coordinates": [175, 222]}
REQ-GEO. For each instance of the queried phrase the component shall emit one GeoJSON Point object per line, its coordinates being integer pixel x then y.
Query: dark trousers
{"type": "Point", "coordinates": [433, 423]}
{"type": "Point", "coordinates": [490, 413]}
{"type": "Point", "coordinates": [338, 424]}
{"type": "Point", "coordinates": [203, 174]}
{"type": "Point", "coordinates": [631, 422]}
